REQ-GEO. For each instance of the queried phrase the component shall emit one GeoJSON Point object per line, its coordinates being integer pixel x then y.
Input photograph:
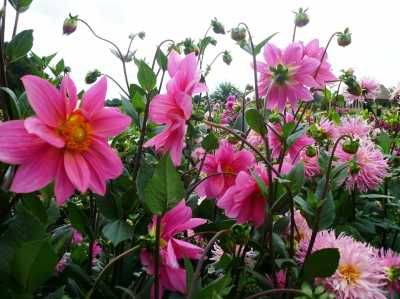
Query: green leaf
{"type": "Point", "coordinates": [165, 188]}
{"type": "Point", "coordinates": [328, 212]}
{"type": "Point", "coordinates": [147, 78]}
{"type": "Point", "coordinates": [20, 5]}
{"type": "Point", "coordinates": [216, 289]}
{"type": "Point", "coordinates": [16, 111]}
{"type": "Point", "coordinates": [293, 137]}
{"type": "Point", "coordinates": [78, 219]}
{"type": "Point", "coordinates": [20, 45]}
{"type": "Point", "coordinates": [384, 141]}
{"type": "Point", "coordinates": [210, 142]}
{"type": "Point", "coordinates": [130, 110]}
{"type": "Point", "coordinates": [255, 121]}
{"type": "Point", "coordinates": [258, 48]}
{"type": "Point", "coordinates": [162, 59]}
{"type": "Point", "coordinates": [296, 177]}
{"type": "Point", "coordinates": [34, 264]}
{"type": "Point", "coordinates": [189, 271]}
{"type": "Point", "coordinates": [118, 231]}
{"type": "Point", "coordinates": [321, 263]}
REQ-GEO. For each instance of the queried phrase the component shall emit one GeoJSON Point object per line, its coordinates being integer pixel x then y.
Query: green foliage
{"type": "Point", "coordinates": [19, 46]}
{"type": "Point", "coordinates": [321, 263]}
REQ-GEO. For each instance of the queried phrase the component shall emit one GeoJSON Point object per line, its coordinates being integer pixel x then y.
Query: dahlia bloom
{"type": "Point", "coordinates": [63, 142]}
{"type": "Point", "coordinates": [311, 165]}
{"type": "Point", "coordinates": [225, 160]}
{"type": "Point", "coordinates": [172, 275]}
{"type": "Point", "coordinates": [294, 150]}
{"type": "Point", "coordinates": [77, 237]}
{"type": "Point", "coordinates": [370, 90]}
{"type": "Point", "coordinates": [328, 128]}
{"type": "Point", "coordinates": [255, 139]}
{"type": "Point", "coordinates": [289, 72]}
{"type": "Point", "coordinates": [174, 108]}
{"type": "Point", "coordinates": [302, 230]}
{"type": "Point", "coordinates": [367, 167]}
{"type": "Point", "coordinates": [359, 274]}
{"type": "Point", "coordinates": [244, 201]}
{"type": "Point", "coordinates": [313, 50]}
{"type": "Point", "coordinates": [354, 126]}
{"type": "Point", "coordinates": [391, 266]}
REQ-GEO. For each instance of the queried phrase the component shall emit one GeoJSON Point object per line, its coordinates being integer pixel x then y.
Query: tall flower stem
{"type": "Point", "coordinates": [294, 33]}
{"type": "Point", "coordinates": [3, 66]}
{"type": "Point", "coordinates": [325, 51]}
{"type": "Point", "coordinates": [116, 48]}
{"type": "Point", "coordinates": [157, 259]}
{"type": "Point", "coordinates": [275, 291]}
{"type": "Point", "coordinates": [16, 19]}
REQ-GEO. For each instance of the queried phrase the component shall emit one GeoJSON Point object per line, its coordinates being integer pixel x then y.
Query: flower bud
{"type": "Point", "coordinates": [70, 24]}
{"type": "Point", "coordinates": [274, 117]}
{"type": "Point", "coordinates": [344, 38]}
{"type": "Point", "coordinates": [227, 57]}
{"type": "Point", "coordinates": [241, 233]}
{"type": "Point", "coordinates": [92, 76]}
{"type": "Point", "coordinates": [311, 151]}
{"type": "Point", "coordinates": [301, 18]}
{"type": "Point", "coordinates": [142, 34]}
{"type": "Point", "coordinates": [238, 34]}
{"type": "Point", "coordinates": [217, 26]}
{"type": "Point", "coordinates": [351, 146]}
{"type": "Point", "coordinates": [354, 168]}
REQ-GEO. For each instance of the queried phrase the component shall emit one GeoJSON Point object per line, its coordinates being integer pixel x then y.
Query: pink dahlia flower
{"type": "Point", "coordinates": [302, 231]}
{"type": "Point", "coordinates": [293, 150]}
{"type": "Point", "coordinates": [391, 266]}
{"type": "Point", "coordinates": [370, 90]}
{"type": "Point", "coordinates": [63, 142]}
{"type": "Point", "coordinates": [360, 272]}
{"type": "Point", "coordinates": [172, 275]}
{"type": "Point", "coordinates": [174, 108]}
{"type": "Point", "coordinates": [244, 201]}
{"type": "Point", "coordinates": [354, 126]}
{"type": "Point", "coordinates": [328, 128]}
{"type": "Point", "coordinates": [367, 167]}
{"type": "Point", "coordinates": [225, 160]}
{"type": "Point", "coordinates": [289, 73]}
{"type": "Point", "coordinates": [255, 139]}
{"type": "Point", "coordinates": [313, 50]}
{"type": "Point", "coordinates": [311, 165]}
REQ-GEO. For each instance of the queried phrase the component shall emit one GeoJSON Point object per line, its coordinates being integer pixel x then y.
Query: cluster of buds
{"type": "Point", "coordinates": [301, 18]}
{"type": "Point", "coordinates": [344, 38]}
{"type": "Point", "coordinates": [189, 46]}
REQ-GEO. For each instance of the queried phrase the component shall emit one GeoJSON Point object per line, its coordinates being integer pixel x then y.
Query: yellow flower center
{"type": "Point", "coordinates": [76, 132]}
{"type": "Point", "coordinates": [349, 273]}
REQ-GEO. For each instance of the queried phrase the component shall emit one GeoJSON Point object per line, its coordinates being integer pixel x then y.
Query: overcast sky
{"type": "Point", "coordinates": [375, 26]}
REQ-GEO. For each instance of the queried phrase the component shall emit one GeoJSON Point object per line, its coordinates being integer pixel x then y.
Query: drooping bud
{"type": "Point", "coordinates": [70, 24]}
{"type": "Point", "coordinates": [241, 233]}
{"type": "Point", "coordinates": [344, 38]}
{"type": "Point", "coordinates": [301, 17]}
{"type": "Point", "coordinates": [217, 26]}
{"type": "Point", "coordinates": [142, 34]}
{"type": "Point", "coordinates": [311, 151]}
{"type": "Point", "coordinates": [351, 146]}
{"type": "Point", "coordinates": [274, 117]}
{"type": "Point", "coordinates": [238, 34]}
{"type": "Point", "coordinates": [92, 76]}
{"type": "Point", "coordinates": [350, 80]}
{"type": "Point", "coordinates": [227, 57]}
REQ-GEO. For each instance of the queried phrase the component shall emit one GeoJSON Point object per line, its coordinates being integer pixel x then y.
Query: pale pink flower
{"type": "Point", "coordinates": [294, 149]}
{"type": "Point", "coordinates": [174, 108]}
{"type": "Point", "coordinates": [255, 139]}
{"type": "Point", "coordinates": [328, 128]}
{"type": "Point", "coordinates": [367, 167]}
{"type": "Point", "coordinates": [198, 154]}
{"type": "Point", "coordinates": [311, 165]}
{"type": "Point", "coordinates": [353, 126]}
{"type": "Point", "coordinates": [62, 263]}
{"type": "Point", "coordinates": [286, 74]}
{"type": "Point", "coordinates": [391, 266]}
{"type": "Point", "coordinates": [76, 237]}
{"type": "Point", "coordinates": [63, 142]}
{"type": "Point", "coordinates": [370, 90]}
{"type": "Point", "coordinates": [244, 200]}
{"type": "Point", "coordinates": [172, 275]}
{"type": "Point", "coordinates": [302, 231]}
{"type": "Point", "coordinates": [312, 49]}
{"type": "Point", "coordinates": [226, 160]}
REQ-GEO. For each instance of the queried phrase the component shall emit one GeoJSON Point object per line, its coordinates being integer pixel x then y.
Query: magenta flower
{"type": "Point", "coordinates": [172, 275]}
{"type": "Point", "coordinates": [391, 266]}
{"type": "Point", "coordinates": [280, 279]}
{"type": "Point", "coordinates": [77, 237]}
{"type": "Point", "coordinates": [244, 200]}
{"type": "Point", "coordinates": [311, 165]}
{"type": "Point", "coordinates": [367, 167]}
{"type": "Point", "coordinates": [63, 142]}
{"type": "Point", "coordinates": [286, 74]}
{"type": "Point", "coordinates": [225, 160]}
{"type": "Point", "coordinates": [324, 74]}
{"type": "Point", "coordinates": [255, 139]}
{"type": "Point", "coordinates": [354, 126]}
{"type": "Point", "coordinates": [62, 263]}
{"type": "Point", "coordinates": [294, 149]}
{"type": "Point", "coordinates": [174, 108]}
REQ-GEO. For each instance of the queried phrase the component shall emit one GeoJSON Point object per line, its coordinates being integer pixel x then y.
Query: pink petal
{"type": "Point", "coordinates": [37, 173]}
{"type": "Point", "coordinates": [174, 60]}
{"type": "Point", "coordinates": [93, 99]}
{"type": "Point", "coordinates": [68, 91]}
{"type": "Point", "coordinates": [35, 126]}
{"type": "Point", "coordinates": [109, 122]}
{"type": "Point", "coordinates": [97, 182]}
{"type": "Point", "coordinates": [186, 249]}
{"type": "Point", "coordinates": [17, 146]}
{"type": "Point", "coordinates": [272, 54]}
{"type": "Point", "coordinates": [45, 100]}
{"type": "Point", "coordinates": [77, 170]}
{"type": "Point", "coordinates": [64, 189]}
{"type": "Point", "coordinates": [171, 259]}
{"type": "Point", "coordinates": [177, 279]}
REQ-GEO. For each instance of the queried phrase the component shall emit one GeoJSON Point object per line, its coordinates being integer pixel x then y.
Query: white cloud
{"type": "Point", "coordinates": [374, 51]}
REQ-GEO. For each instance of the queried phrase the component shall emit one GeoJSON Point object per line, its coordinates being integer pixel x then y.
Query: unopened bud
{"type": "Point", "coordinates": [351, 146]}
{"type": "Point", "coordinates": [301, 18]}
{"type": "Point", "coordinates": [142, 34]}
{"type": "Point", "coordinates": [217, 26]}
{"type": "Point", "coordinates": [70, 24]}
{"type": "Point", "coordinates": [227, 57]}
{"type": "Point", "coordinates": [311, 151]}
{"type": "Point", "coordinates": [238, 34]}
{"type": "Point", "coordinates": [92, 76]}
{"type": "Point", "coordinates": [344, 38]}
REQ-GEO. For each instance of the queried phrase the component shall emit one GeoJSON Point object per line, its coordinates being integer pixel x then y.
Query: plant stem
{"type": "Point", "coordinates": [294, 33]}
{"type": "Point", "coordinates": [16, 20]}
{"type": "Point", "coordinates": [3, 66]}
{"type": "Point", "coordinates": [324, 54]}
{"type": "Point", "coordinates": [119, 85]}
{"type": "Point", "coordinates": [276, 291]}
{"type": "Point", "coordinates": [157, 259]}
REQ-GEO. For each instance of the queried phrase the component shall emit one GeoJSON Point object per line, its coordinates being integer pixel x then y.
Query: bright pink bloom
{"type": "Point", "coordinates": [367, 168]}
{"type": "Point", "coordinates": [354, 126]}
{"type": "Point", "coordinates": [172, 275]}
{"type": "Point", "coordinates": [225, 160]}
{"type": "Point", "coordinates": [76, 237]}
{"type": "Point", "coordinates": [313, 50]}
{"type": "Point", "coordinates": [293, 150]}
{"type": "Point", "coordinates": [63, 142]}
{"type": "Point", "coordinates": [174, 108]}
{"type": "Point", "coordinates": [244, 200]}
{"type": "Point", "coordinates": [289, 73]}
{"type": "Point", "coordinates": [391, 266]}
